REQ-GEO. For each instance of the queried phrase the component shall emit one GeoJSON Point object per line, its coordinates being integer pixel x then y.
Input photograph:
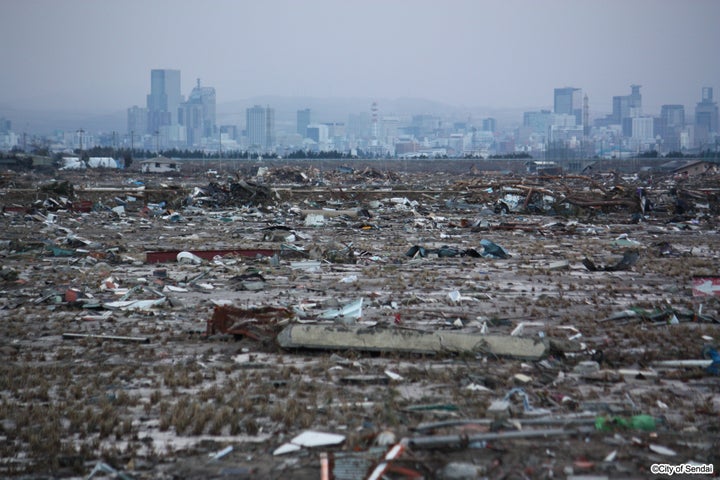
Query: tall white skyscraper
{"type": "Point", "coordinates": [261, 126]}
{"type": "Point", "coordinates": [164, 99]}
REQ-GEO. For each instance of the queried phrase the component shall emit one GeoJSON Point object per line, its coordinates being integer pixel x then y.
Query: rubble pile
{"type": "Point", "coordinates": [372, 325]}
{"type": "Point", "coordinates": [235, 194]}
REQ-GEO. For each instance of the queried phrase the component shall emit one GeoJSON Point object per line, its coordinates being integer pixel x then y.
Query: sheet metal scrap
{"type": "Point", "coordinates": [261, 323]}
{"type": "Point", "coordinates": [442, 252]}
{"type": "Point", "coordinates": [490, 250]}
{"type": "Point", "coordinates": [630, 257]}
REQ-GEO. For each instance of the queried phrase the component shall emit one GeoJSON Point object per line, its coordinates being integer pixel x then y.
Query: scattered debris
{"type": "Point", "coordinates": [629, 259]}
{"type": "Point", "coordinates": [310, 439]}
{"type": "Point", "coordinates": [173, 255]}
{"type": "Point", "coordinates": [102, 467]}
{"type": "Point", "coordinates": [71, 336]}
{"type": "Point", "coordinates": [434, 337]}
{"type": "Point", "coordinates": [261, 323]}
{"type": "Point", "coordinates": [347, 314]}
{"type": "Point", "coordinates": [645, 423]}
{"type": "Point", "coordinates": [706, 286]}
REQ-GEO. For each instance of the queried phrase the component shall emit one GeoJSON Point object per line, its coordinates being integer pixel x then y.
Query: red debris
{"type": "Point", "coordinates": [262, 323]}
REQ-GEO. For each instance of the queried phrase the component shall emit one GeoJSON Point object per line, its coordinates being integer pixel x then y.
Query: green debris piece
{"type": "Point", "coordinates": [645, 423]}
{"type": "Point", "coordinates": [60, 252]}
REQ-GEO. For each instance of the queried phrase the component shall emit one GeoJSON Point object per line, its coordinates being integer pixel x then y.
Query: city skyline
{"type": "Point", "coordinates": [466, 54]}
{"type": "Point", "coordinates": [169, 120]}
{"type": "Point", "coordinates": [570, 96]}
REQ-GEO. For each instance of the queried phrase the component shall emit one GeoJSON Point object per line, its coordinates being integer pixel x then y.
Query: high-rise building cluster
{"type": "Point", "coordinates": [170, 121]}
{"type": "Point", "coordinates": [626, 131]}
{"type": "Point", "coordinates": [570, 129]}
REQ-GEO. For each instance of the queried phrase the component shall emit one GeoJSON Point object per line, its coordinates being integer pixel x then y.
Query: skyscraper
{"type": "Point", "coordinates": [538, 122]}
{"type": "Point", "coordinates": [5, 125]}
{"type": "Point", "coordinates": [635, 100]}
{"type": "Point", "coordinates": [672, 122]}
{"type": "Point", "coordinates": [706, 117]}
{"type": "Point", "coordinates": [261, 126]}
{"type": "Point", "coordinates": [137, 120]}
{"type": "Point", "coordinates": [164, 99]}
{"type": "Point", "coordinates": [673, 115]}
{"type": "Point", "coordinates": [568, 101]}
{"type": "Point", "coordinates": [303, 120]}
{"type": "Point", "coordinates": [197, 115]}
{"type": "Point", "coordinates": [489, 124]}
{"type": "Point", "coordinates": [269, 127]}
{"type": "Point", "coordinates": [627, 106]}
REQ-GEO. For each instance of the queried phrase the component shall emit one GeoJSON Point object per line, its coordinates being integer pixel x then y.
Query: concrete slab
{"type": "Point", "coordinates": [319, 336]}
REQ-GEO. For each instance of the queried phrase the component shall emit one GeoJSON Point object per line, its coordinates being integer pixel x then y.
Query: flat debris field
{"type": "Point", "coordinates": [357, 322]}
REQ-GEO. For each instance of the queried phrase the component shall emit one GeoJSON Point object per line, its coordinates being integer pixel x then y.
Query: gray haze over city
{"type": "Point", "coordinates": [96, 55]}
{"type": "Point", "coordinates": [477, 57]}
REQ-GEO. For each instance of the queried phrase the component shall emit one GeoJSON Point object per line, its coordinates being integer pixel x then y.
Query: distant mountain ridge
{"type": "Point", "coordinates": [323, 109]}
{"type": "Point", "coordinates": [45, 122]}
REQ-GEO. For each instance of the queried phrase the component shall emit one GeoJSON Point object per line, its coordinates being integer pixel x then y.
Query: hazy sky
{"type": "Point", "coordinates": [97, 54]}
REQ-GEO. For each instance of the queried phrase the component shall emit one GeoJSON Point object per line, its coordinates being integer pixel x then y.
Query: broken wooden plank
{"type": "Point", "coordinates": [409, 341]}
{"type": "Point", "coordinates": [72, 336]}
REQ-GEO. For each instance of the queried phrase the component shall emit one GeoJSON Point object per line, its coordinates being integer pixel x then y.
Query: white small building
{"type": "Point", "coordinates": [159, 165]}
{"type": "Point", "coordinates": [102, 162]}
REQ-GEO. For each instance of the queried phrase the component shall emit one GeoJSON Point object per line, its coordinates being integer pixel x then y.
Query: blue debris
{"type": "Point", "coordinates": [712, 353]}
{"type": "Point", "coordinates": [525, 399]}
{"type": "Point", "coordinates": [493, 250]}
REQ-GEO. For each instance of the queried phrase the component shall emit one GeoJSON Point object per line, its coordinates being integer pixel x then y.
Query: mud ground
{"type": "Point", "coordinates": [162, 409]}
